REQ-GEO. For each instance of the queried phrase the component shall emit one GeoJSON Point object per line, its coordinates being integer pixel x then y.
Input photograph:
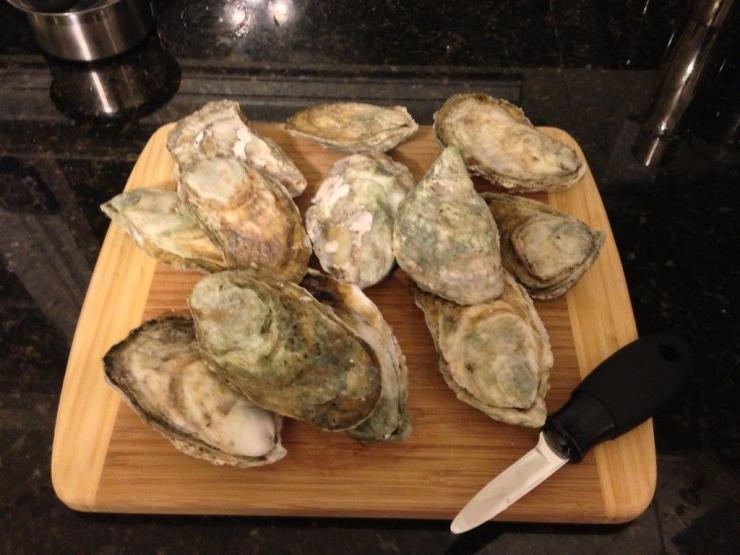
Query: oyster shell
{"type": "Point", "coordinates": [445, 237]}
{"type": "Point", "coordinates": [350, 220]}
{"type": "Point", "coordinates": [388, 420]}
{"type": "Point", "coordinates": [164, 229]}
{"type": "Point", "coordinates": [162, 376]}
{"type": "Point", "coordinates": [499, 143]}
{"type": "Point", "coordinates": [495, 356]}
{"type": "Point", "coordinates": [353, 126]}
{"type": "Point", "coordinates": [248, 215]}
{"type": "Point", "coordinates": [284, 350]}
{"type": "Point", "coordinates": [545, 249]}
{"type": "Point", "coordinates": [220, 130]}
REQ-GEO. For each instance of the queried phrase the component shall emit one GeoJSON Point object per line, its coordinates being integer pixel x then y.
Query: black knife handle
{"type": "Point", "coordinates": [623, 391]}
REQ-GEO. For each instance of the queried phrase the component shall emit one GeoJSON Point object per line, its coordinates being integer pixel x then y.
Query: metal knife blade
{"type": "Point", "coordinates": [509, 486]}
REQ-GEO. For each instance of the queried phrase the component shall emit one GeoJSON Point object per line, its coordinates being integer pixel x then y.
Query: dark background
{"type": "Point", "coordinates": [588, 67]}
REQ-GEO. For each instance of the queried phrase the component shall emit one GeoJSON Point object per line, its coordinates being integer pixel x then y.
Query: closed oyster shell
{"type": "Point", "coordinates": [252, 218]}
{"type": "Point", "coordinates": [220, 130]}
{"type": "Point", "coordinates": [350, 220]}
{"type": "Point", "coordinates": [495, 356]}
{"type": "Point", "coordinates": [164, 229]}
{"type": "Point", "coordinates": [388, 420]}
{"type": "Point", "coordinates": [545, 249]}
{"type": "Point", "coordinates": [162, 376]}
{"type": "Point", "coordinates": [353, 126]}
{"type": "Point", "coordinates": [445, 237]}
{"type": "Point", "coordinates": [499, 143]}
{"type": "Point", "coordinates": [284, 350]}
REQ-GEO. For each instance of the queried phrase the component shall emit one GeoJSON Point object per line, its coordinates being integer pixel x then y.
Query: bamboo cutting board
{"type": "Point", "coordinates": [106, 459]}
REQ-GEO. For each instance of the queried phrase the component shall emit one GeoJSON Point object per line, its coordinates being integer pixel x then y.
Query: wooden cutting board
{"type": "Point", "coordinates": [106, 459]}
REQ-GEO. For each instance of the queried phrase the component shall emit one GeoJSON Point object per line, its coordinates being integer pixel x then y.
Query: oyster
{"type": "Point", "coordinates": [220, 130]}
{"type": "Point", "coordinates": [445, 237]}
{"type": "Point", "coordinates": [546, 250]}
{"type": "Point", "coordinates": [499, 143]}
{"type": "Point", "coordinates": [284, 350]}
{"type": "Point", "coordinates": [350, 220]}
{"type": "Point", "coordinates": [495, 356]}
{"type": "Point", "coordinates": [162, 227]}
{"type": "Point", "coordinates": [388, 420]}
{"type": "Point", "coordinates": [353, 126]}
{"type": "Point", "coordinates": [162, 376]}
{"type": "Point", "coordinates": [248, 215]}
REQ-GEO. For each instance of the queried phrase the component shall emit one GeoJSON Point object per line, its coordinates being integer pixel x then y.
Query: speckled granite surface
{"type": "Point", "coordinates": [587, 68]}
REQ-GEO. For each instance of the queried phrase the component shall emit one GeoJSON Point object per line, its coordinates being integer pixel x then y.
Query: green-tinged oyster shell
{"type": "Point", "coordinates": [388, 420]}
{"type": "Point", "coordinates": [160, 373]}
{"type": "Point", "coordinates": [353, 126]}
{"type": "Point", "coordinates": [251, 217]}
{"type": "Point", "coordinates": [499, 143]}
{"type": "Point", "coordinates": [161, 226]}
{"type": "Point", "coordinates": [220, 130]}
{"type": "Point", "coordinates": [445, 237]}
{"type": "Point", "coordinates": [545, 249]}
{"type": "Point", "coordinates": [495, 356]}
{"type": "Point", "coordinates": [350, 220]}
{"type": "Point", "coordinates": [284, 350]}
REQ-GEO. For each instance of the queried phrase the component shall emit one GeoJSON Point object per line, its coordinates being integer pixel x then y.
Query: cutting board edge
{"type": "Point", "coordinates": [551, 518]}
{"type": "Point", "coordinates": [76, 467]}
{"type": "Point", "coordinates": [623, 500]}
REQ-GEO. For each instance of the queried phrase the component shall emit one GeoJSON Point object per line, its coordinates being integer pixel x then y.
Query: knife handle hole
{"type": "Point", "coordinates": [669, 353]}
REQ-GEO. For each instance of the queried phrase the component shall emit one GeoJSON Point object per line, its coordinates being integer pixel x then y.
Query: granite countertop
{"type": "Point", "coordinates": [70, 133]}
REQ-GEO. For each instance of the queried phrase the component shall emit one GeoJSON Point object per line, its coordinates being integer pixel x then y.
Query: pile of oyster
{"type": "Point", "coordinates": [476, 259]}
{"type": "Point", "coordinates": [233, 207]}
{"type": "Point", "coordinates": [268, 338]}
{"type": "Point", "coordinates": [217, 382]}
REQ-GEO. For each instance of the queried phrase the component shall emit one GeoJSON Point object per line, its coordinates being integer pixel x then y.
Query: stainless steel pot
{"type": "Point", "coordinates": [87, 30]}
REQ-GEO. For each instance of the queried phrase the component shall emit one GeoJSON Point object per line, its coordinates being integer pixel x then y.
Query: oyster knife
{"type": "Point", "coordinates": [623, 391]}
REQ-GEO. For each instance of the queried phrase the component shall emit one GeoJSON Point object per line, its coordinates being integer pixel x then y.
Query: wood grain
{"type": "Point", "coordinates": [106, 459]}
